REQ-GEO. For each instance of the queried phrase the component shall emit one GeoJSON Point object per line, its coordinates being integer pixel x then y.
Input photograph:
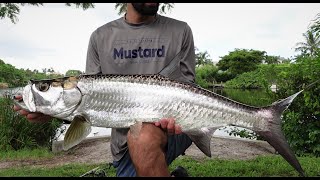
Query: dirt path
{"type": "Point", "coordinates": [98, 151]}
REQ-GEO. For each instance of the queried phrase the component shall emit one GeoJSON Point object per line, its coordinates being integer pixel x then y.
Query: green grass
{"type": "Point", "coordinates": [16, 132]}
{"type": "Point", "coordinates": [263, 166]}
{"type": "Point", "coordinates": [26, 154]}
{"type": "Point", "coordinates": [70, 170]}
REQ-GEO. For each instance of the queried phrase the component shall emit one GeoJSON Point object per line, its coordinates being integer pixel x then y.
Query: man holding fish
{"type": "Point", "coordinates": [142, 42]}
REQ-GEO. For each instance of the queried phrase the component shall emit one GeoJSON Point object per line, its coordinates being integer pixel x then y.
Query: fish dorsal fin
{"type": "Point", "coordinates": [201, 138]}
{"type": "Point", "coordinates": [78, 130]}
{"type": "Point", "coordinates": [172, 70]}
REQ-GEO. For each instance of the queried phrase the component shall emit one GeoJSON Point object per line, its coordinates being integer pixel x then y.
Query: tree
{"type": "Point", "coordinates": [44, 70]}
{"type": "Point", "coordinates": [11, 10]}
{"type": "Point", "coordinates": [202, 58]}
{"type": "Point", "coordinates": [272, 59]}
{"type": "Point", "coordinates": [205, 75]}
{"type": "Point", "coordinates": [241, 60]}
{"type": "Point", "coordinates": [50, 70]}
{"type": "Point", "coordinates": [301, 119]}
{"type": "Point", "coordinates": [276, 60]}
{"type": "Point", "coordinates": [311, 45]}
{"type": "Point", "coordinates": [315, 27]}
{"type": "Point", "coordinates": [284, 60]}
{"type": "Point", "coordinates": [73, 72]}
{"type": "Point", "coordinates": [163, 7]}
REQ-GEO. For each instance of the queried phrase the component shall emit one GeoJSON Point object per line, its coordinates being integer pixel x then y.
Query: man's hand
{"type": "Point", "coordinates": [32, 117]}
{"type": "Point", "coordinates": [169, 126]}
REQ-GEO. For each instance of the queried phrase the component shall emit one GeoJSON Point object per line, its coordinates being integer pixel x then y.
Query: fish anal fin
{"type": "Point", "coordinates": [78, 130]}
{"type": "Point", "coordinates": [202, 138]}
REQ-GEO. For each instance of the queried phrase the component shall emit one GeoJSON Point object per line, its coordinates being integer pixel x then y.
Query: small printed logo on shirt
{"type": "Point", "coordinates": [138, 53]}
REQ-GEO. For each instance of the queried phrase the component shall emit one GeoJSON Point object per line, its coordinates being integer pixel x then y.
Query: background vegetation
{"type": "Point", "coordinates": [245, 69]}
{"type": "Point", "coordinates": [17, 133]}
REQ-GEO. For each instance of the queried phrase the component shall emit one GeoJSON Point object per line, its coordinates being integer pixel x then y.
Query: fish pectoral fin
{"type": "Point", "coordinates": [135, 129]}
{"type": "Point", "coordinates": [78, 130]}
{"type": "Point", "coordinates": [201, 138]}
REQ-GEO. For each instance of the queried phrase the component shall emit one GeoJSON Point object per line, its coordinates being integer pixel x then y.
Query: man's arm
{"type": "Point", "coordinates": [93, 65]}
{"type": "Point", "coordinates": [188, 62]}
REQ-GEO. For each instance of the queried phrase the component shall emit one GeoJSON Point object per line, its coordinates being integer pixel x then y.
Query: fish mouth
{"type": "Point", "coordinates": [21, 104]}
{"type": "Point", "coordinates": [28, 100]}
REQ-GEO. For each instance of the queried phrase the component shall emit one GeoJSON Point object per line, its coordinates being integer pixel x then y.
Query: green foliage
{"type": "Point", "coordinates": [205, 75]}
{"type": "Point", "coordinates": [223, 76]}
{"type": "Point", "coordinates": [9, 74]}
{"type": "Point", "coordinates": [261, 78]}
{"type": "Point", "coordinates": [12, 10]}
{"type": "Point", "coordinates": [84, 6]}
{"type": "Point", "coordinates": [20, 77]}
{"type": "Point", "coordinates": [301, 121]}
{"type": "Point", "coordinates": [16, 132]}
{"type": "Point", "coordinates": [315, 27]}
{"type": "Point", "coordinates": [244, 133]}
{"type": "Point", "coordinates": [202, 58]}
{"type": "Point", "coordinates": [73, 72]}
{"type": "Point", "coordinates": [248, 80]}
{"type": "Point", "coordinates": [241, 61]}
{"type": "Point", "coordinates": [257, 98]}
{"type": "Point", "coordinates": [272, 59]}
{"type": "Point", "coordinates": [311, 46]}
{"type": "Point", "coordinates": [163, 8]}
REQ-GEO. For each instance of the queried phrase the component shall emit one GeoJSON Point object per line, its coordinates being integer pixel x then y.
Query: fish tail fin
{"type": "Point", "coordinates": [274, 135]}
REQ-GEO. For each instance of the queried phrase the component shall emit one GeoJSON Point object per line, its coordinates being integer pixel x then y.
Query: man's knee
{"type": "Point", "coordinates": [149, 136]}
{"type": "Point", "coordinates": [147, 151]}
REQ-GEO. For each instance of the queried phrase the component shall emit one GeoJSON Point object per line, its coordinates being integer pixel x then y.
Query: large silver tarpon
{"type": "Point", "coordinates": [123, 101]}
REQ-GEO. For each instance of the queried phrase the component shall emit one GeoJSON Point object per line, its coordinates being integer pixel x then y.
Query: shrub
{"type": "Point", "coordinates": [16, 132]}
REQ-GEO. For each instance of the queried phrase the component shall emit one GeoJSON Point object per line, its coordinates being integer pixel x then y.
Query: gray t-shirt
{"type": "Point", "coordinates": [119, 47]}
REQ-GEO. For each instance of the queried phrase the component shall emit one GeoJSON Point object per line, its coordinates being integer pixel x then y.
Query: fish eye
{"type": "Point", "coordinates": [43, 86]}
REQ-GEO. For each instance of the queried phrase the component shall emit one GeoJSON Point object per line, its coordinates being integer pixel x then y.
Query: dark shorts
{"type": "Point", "coordinates": [177, 144]}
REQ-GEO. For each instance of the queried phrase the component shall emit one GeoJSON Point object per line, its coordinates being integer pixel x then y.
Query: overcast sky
{"type": "Point", "coordinates": [57, 36]}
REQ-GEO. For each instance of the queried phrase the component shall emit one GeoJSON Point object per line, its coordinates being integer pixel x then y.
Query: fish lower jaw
{"type": "Point", "coordinates": [63, 115]}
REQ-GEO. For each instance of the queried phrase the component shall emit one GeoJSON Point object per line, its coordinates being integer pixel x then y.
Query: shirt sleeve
{"type": "Point", "coordinates": [188, 63]}
{"type": "Point", "coordinates": [93, 65]}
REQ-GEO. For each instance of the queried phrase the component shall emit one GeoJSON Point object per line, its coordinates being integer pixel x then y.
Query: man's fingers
{"type": "Point", "coordinates": [34, 115]}
{"type": "Point", "coordinates": [38, 117]}
{"type": "Point", "coordinates": [157, 124]}
{"type": "Point", "coordinates": [170, 127]}
{"type": "Point", "coordinates": [164, 123]}
{"type": "Point", "coordinates": [16, 108]}
{"type": "Point", "coordinates": [177, 129]}
{"type": "Point", "coordinates": [23, 112]}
